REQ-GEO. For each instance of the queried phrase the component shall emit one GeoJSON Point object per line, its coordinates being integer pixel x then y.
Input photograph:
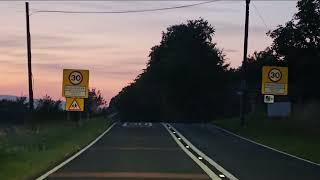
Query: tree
{"type": "Point", "coordinates": [13, 111]}
{"type": "Point", "coordinates": [298, 43]}
{"type": "Point", "coordinates": [184, 78]}
{"type": "Point", "coordinates": [254, 67]}
{"type": "Point", "coordinates": [94, 101]}
{"type": "Point", "coordinates": [48, 105]}
{"type": "Point", "coordinates": [47, 108]}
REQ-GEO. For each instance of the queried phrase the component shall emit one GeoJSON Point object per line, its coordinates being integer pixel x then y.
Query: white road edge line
{"type": "Point", "coordinates": [265, 146]}
{"type": "Point", "coordinates": [208, 171]}
{"type": "Point", "coordinates": [74, 156]}
{"type": "Point", "coordinates": [212, 162]}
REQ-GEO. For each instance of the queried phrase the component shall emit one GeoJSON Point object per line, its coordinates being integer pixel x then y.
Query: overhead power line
{"type": "Point", "coordinates": [260, 16]}
{"type": "Point", "coordinates": [121, 12]}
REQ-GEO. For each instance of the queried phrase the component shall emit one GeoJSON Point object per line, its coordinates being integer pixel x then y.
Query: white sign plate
{"type": "Point", "coordinates": [74, 91]}
{"type": "Point", "coordinates": [269, 99]}
{"type": "Point", "coordinates": [273, 88]}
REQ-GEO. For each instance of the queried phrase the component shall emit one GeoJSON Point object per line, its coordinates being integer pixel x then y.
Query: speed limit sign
{"type": "Point", "coordinates": [75, 77]}
{"type": "Point", "coordinates": [275, 75]}
{"type": "Point", "coordinates": [274, 80]}
{"type": "Point", "coordinates": [75, 83]}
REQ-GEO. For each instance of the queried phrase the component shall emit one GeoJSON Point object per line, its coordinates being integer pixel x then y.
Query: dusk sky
{"type": "Point", "coordinates": [115, 47]}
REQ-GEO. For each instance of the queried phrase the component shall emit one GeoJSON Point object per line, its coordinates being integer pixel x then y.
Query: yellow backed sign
{"type": "Point", "coordinates": [74, 104]}
{"type": "Point", "coordinates": [75, 83]}
{"type": "Point", "coordinates": [274, 80]}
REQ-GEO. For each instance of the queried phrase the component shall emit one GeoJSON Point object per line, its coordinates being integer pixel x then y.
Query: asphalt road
{"type": "Point", "coordinates": [128, 151]}
{"type": "Point", "coordinates": [244, 159]}
{"type": "Point", "coordinates": [181, 151]}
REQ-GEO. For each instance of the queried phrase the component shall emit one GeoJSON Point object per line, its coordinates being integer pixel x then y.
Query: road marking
{"type": "Point", "coordinates": [265, 146]}
{"type": "Point", "coordinates": [74, 156]}
{"type": "Point", "coordinates": [208, 159]}
{"type": "Point", "coordinates": [135, 175]}
{"type": "Point", "coordinates": [136, 124]}
{"type": "Point", "coordinates": [135, 148]}
{"type": "Point", "coordinates": [205, 168]}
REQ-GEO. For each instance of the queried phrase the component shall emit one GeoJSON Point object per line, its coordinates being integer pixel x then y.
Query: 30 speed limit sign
{"type": "Point", "coordinates": [274, 80]}
{"type": "Point", "coordinates": [75, 77]}
{"type": "Point", "coordinates": [275, 75]}
{"type": "Point", "coordinates": [75, 83]}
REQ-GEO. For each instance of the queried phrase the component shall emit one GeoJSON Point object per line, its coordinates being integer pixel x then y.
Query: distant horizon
{"type": "Point", "coordinates": [115, 47]}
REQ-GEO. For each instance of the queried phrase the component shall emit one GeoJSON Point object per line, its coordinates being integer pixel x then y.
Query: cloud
{"type": "Point", "coordinates": [47, 37]}
{"type": "Point", "coordinates": [11, 64]}
{"type": "Point", "coordinates": [15, 41]}
{"type": "Point", "coordinates": [135, 5]}
{"type": "Point", "coordinates": [72, 47]}
{"type": "Point", "coordinates": [13, 53]}
{"type": "Point", "coordinates": [50, 47]}
{"type": "Point", "coordinates": [132, 62]}
{"type": "Point", "coordinates": [230, 50]}
{"type": "Point", "coordinates": [117, 69]}
{"type": "Point", "coordinates": [123, 74]}
{"type": "Point", "coordinates": [232, 28]}
{"type": "Point", "coordinates": [11, 42]}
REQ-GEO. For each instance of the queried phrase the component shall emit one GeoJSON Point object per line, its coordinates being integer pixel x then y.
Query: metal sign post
{"type": "Point", "coordinates": [75, 87]}
{"type": "Point", "coordinates": [75, 83]}
{"type": "Point", "coordinates": [274, 80]}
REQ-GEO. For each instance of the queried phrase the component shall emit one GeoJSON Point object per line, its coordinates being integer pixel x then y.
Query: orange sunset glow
{"type": "Point", "coordinates": [114, 47]}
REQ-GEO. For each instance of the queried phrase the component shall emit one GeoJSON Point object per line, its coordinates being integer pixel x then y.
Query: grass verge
{"type": "Point", "coordinates": [27, 152]}
{"type": "Point", "coordinates": [289, 135]}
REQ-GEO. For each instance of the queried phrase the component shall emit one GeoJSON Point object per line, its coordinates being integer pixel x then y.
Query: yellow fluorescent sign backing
{"type": "Point", "coordinates": [74, 104]}
{"type": "Point", "coordinates": [274, 80]}
{"type": "Point", "coordinates": [75, 83]}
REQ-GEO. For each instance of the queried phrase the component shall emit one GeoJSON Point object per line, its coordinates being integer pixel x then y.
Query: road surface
{"type": "Point", "coordinates": [130, 150]}
{"type": "Point", "coordinates": [244, 159]}
{"type": "Point", "coordinates": [181, 151]}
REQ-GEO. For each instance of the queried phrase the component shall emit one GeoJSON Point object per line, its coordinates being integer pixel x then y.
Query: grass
{"type": "Point", "coordinates": [26, 152]}
{"type": "Point", "coordinates": [300, 138]}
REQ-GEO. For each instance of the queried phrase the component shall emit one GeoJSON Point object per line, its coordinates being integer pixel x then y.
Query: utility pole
{"type": "Point", "coordinates": [243, 98]}
{"type": "Point", "coordinates": [29, 59]}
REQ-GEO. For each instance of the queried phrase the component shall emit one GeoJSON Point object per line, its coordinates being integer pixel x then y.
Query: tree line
{"type": "Point", "coordinates": [187, 78]}
{"type": "Point", "coordinates": [47, 109]}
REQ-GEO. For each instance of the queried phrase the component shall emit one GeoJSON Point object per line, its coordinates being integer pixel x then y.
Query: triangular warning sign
{"type": "Point", "coordinates": [74, 106]}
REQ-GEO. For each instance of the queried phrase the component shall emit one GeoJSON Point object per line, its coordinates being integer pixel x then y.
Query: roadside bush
{"type": "Point", "coordinates": [13, 111]}
{"type": "Point", "coordinates": [48, 109]}
{"type": "Point", "coordinates": [307, 116]}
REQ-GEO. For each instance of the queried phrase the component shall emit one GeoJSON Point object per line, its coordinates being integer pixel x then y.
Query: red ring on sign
{"type": "Point", "coordinates": [75, 83]}
{"type": "Point", "coordinates": [279, 77]}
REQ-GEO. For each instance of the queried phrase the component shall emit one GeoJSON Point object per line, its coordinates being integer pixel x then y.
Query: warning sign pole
{"type": "Point", "coordinates": [74, 107]}
{"type": "Point", "coordinates": [75, 87]}
{"type": "Point", "coordinates": [68, 115]}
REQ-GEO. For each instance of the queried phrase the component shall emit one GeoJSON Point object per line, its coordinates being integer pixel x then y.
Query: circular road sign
{"type": "Point", "coordinates": [75, 77]}
{"type": "Point", "coordinates": [275, 75]}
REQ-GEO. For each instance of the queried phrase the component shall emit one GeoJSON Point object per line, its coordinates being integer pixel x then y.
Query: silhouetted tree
{"type": "Point", "coordinates": [254, 67]}
{"type": "Point", "coordinates": [47, 105]}
{"type": "Point", "coordinates": [298, 43]}
{"type": "Point", "coordinates": [94, 101]}
{"type": "Point", "coordinates": [185, 78]}
{"type": "Point", "coordinates": [48, 109]}
{"type": "Point", "coordinates": [13, 111]}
